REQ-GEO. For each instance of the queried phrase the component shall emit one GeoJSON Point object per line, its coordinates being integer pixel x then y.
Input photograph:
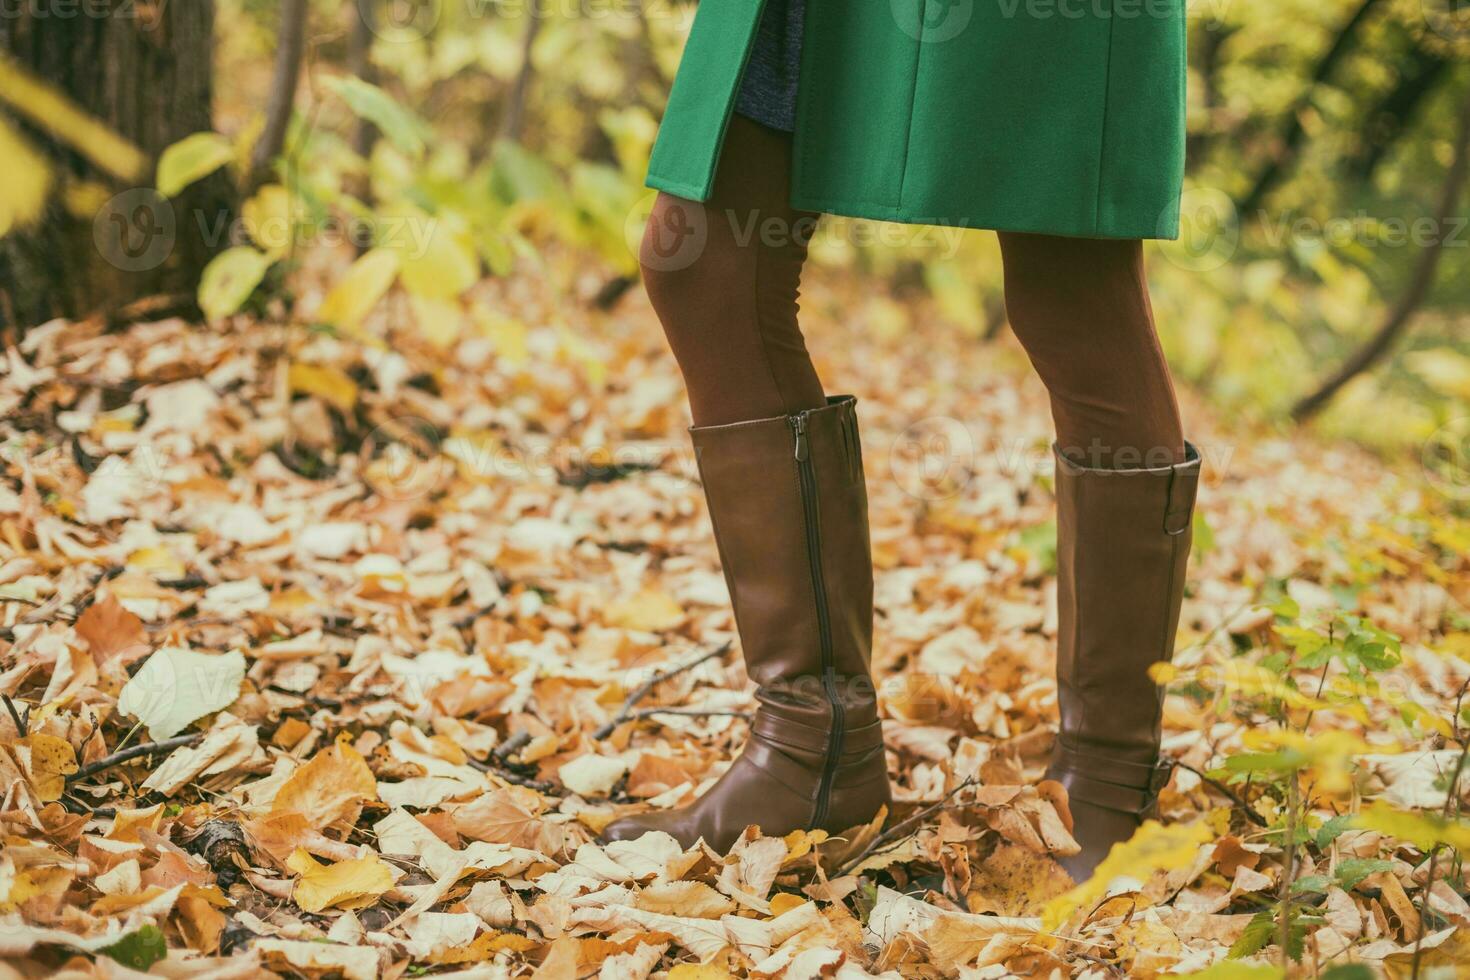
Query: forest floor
{"type": "Point", "coordinates": [377, 603]}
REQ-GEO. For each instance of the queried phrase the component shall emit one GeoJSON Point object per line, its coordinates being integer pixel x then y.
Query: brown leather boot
{"type": "Point", "coordinates": [790, 511]}
{"type": "Point", "coordinates": [1123, 539]}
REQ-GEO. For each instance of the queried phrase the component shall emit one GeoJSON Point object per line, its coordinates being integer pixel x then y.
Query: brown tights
{"type": "Point", "coordinates": [724, 277]}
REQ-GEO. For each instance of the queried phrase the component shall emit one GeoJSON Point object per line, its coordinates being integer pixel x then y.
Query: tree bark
{"type": "Point", "coordinates": [1420, 283]}
{"type": "Point", "coordinates": [360, 63]}
{"type": "Point", "coordinates": [290, 45]}
{"type": "Point", "coordinates": [145, 71]}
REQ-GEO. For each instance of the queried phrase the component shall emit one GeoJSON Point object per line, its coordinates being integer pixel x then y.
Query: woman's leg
{"type": "Point", "coordinates": [1080, 308]}
{"type": "Point", "coordinates": [724, 277]}
{"type": "Point", "coordinates": [783, 475]}
{"type": "Point", "coordinates": [1125, 486]}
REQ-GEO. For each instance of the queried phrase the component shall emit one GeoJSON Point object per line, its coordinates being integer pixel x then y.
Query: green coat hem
{"type": "Point", "coordinates": [879, 212]}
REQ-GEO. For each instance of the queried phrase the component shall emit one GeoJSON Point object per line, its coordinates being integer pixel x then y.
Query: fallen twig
{"type": "Point", "coordinates": [145, 748]}
{"type": "Point", "coordinates": [498, 768]}
{"type": "Point", "coordinates": [21, 727]}
{"type": "Point", "coordinates": [691, 713]}
{"type": "Point", "coordinates": [1229, 794]}
{"type": "Point", "coordinates": [898, 830]}
{"type": "Point", "coordinates": [512, 745]}
{"type": "Point", "coordinates": [625, 713]}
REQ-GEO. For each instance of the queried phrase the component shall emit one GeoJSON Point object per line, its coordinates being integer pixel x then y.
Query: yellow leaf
{"type": "Point", "coordinates": [27, 181]}
{"type": "Point", "coordinates": [327, 383]}
{"type": "Point", "coordinates": [485, 945]}
{"type": "Point", "coordinates": [359, 289]}
{"type": "Point", "coordinates": [84, 198]}
{"type": "Point", "coordinates": [691, 971]}
{"type": "Point", "coordinates": [331, 786]}
{"type": "Point", "coordinates": [347, 884]}
{"type": "Point", "coordinates": [438, 255]}
{"type": "Point", "coordinates": [1425, 831]}
{"type": "Point", "coordinates": [230, 278]}
{"type": "Point", "coordinates": [506, 333]}
{"type": "Point", "coordinates": [440, 320]}
{"type": "Point", "coordinates": [191, 158]}
{"type": "Point", "coordinates": [1154, 847]}
{"type": "Point", "coordinates": [785, 902]}
{"type": "Point", "coordinates": [651, 609]}
{"type": "Point", "coordinates": [1443, 369]}
{"type": "Point", "coordinates": [158, 562]}
{"type": "Point", "coordinates": [52, 759]}
{"type": "Point", "coordinates": [270, 217]}
{"type": "Point", "coordinates": [582, 353]}
{"type": "Point", "coordinates": [43, 105]}
{"type": "Point", "coordinates": [799, 844]}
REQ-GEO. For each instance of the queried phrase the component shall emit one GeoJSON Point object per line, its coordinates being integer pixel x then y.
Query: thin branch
{"type": "Point", "coordinates": [1419, 284]}
{"type": "Point", "coordinates": [898, 830]}
{"type": "Point", "coordinates": [1291, 138]}
{"type": "Point", "coordinates": [1288, 878]}
{"type": "Point", "coordinates": [21, 727]}
{"type": "Point", "coordinates": [690, 713]}
{"type": "Point", "coordinates": [625, 713]}
{"type": "Point", "coordinates": [498, 768]}
{"type": "Point", "coordinates": [289, 48]}
{"type": "Point", "coordinates": [1229, 794]}
{"type": "Point", "coordinates": [360, 64]}
{"type": "Point", "coordinates": [512, 745]}
{"type": "Point", "coordinates": [128, 754]}
{"type": "Point", "coordinates": [513, 122]}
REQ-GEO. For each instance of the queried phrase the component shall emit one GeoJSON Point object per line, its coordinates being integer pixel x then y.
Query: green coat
{"type": "Point", "coordinates": [1063, 117]}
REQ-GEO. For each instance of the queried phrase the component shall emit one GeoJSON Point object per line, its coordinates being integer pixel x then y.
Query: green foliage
{"type": "Point", "coordinates": [230, 278]}
{"type": "Point", "coordinates": [409, 133]}
{"type": "Point", "coordinates": [1264, 929]}
{"type": "Point", "coordinates": [139, 950]}
{"type": "Point", "coordinates": [1352, 871]}
{"type": "Point", "coordinates": [192, 158]}
{"type": "Point", "coordinates": [1040, 542]}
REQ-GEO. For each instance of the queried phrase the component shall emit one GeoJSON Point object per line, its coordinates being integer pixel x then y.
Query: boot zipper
{"type": "Point", "coordinates": [809, 503]}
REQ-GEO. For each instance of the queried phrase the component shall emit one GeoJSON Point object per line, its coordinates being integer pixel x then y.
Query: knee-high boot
{"type": "Point", "coordinates": [1123, 540]}
{"type": "Point", "coordinates": [790, 512]}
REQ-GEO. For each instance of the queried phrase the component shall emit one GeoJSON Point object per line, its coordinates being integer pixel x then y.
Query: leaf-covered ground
{"type": "Point", "coordinates": [329, 655]}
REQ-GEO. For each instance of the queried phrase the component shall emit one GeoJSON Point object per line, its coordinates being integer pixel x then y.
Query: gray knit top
{"type": "Point", "coordinates": [768, 90]}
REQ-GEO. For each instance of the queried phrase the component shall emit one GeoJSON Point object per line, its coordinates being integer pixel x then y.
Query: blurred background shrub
{"type": "Point", "coordinates": [216, 157]}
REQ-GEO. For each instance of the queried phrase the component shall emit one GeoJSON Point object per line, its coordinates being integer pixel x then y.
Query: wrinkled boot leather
{"type": "Point", "coordinates": [790, 512]}
{"type": "Point", "coordinates": [1123, 540]}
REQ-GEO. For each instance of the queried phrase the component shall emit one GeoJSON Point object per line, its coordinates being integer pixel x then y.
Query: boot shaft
{"type": "Point", "coordinates": [1123, 541]}
{"type": "Point", "coordinates": [789, 506]}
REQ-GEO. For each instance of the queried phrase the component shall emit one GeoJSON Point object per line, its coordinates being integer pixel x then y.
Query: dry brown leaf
{"type": "Point", "coordinates": [112, 632]}
{"type": "Point", "coordinates": [330, 788]}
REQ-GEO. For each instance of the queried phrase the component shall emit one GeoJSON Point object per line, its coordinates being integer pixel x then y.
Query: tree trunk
{"type": "Point", "coordinates": [290, 46]}
{"type": "Point", "coordinates": [145, 71]}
